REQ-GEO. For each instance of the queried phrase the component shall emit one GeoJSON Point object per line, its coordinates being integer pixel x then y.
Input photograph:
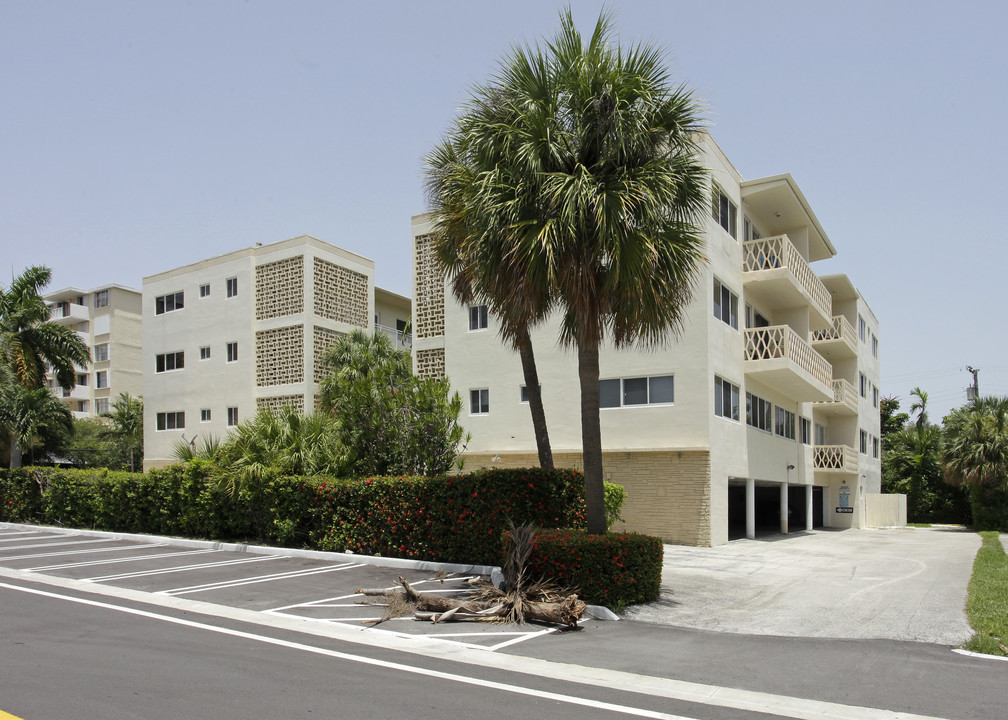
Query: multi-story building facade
{"type": "Point", "coordinates": [229, 335]}
{"type": "Point", "coordinates": [762, 415]}
{"type": "Point", "coordinates": [108, 320]}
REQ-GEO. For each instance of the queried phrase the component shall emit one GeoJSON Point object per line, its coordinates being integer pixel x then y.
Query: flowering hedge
{"type": "Point", "coordinates": [615, 570]}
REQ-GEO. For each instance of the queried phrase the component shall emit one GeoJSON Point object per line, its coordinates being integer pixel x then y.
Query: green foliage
{"type": "Point", "coordinates": [615, 496]}
{"type": "Point", "coordinates": [975, 454]}
{"type": "Point", "coordinates": [990, 507]}
{"type": "Point", "coordinates": [90, 446]}
{"type": "Point", "coordinates": [615, 570]}
{"type": "Point", "coordinates": [125, 429]}
{"type": "Point", "coordinates": [985, 603]}
{"type": "Point", "coordinates": [33, 422]}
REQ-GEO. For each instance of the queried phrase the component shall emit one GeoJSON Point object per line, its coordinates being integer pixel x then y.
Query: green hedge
{"type": "Point", "coordinates": [614, 570]}
{"type": "Point", "coordinates": [990, 508]}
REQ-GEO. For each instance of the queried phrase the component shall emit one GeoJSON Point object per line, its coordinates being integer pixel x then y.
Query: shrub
{"type": "Point", "coordinates": [615, 570]}
{"type": "Point", "coordinates": [990, 507]}
{"type": "Point", "coordinates": [615, 496]}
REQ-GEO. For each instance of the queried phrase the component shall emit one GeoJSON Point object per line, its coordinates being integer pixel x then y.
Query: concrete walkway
{"type": "Point", "coordinates": [901, 584]}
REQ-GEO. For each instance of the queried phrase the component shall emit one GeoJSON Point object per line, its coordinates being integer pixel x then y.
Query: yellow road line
{"type": "Point", "coordinates": [8, 716]}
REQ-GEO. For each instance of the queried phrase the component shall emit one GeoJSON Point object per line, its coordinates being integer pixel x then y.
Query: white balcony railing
{"type": "Point", "coordinates": [844, 394]}
{"type": "Point", "coordinates": [841, 330]}
{"type": "Point", "coordinates": [400, 338]}
{"type": "Point", "coordinates": [836, 458]}
{"type": "Point", "coordinates": [778, 252]}
{"type": "Point", "coordinates": [780, 341]}
{"type": "Point", "coordinates": [69, 311]}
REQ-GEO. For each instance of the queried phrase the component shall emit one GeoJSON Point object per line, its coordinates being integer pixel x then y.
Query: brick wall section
{"type": "Point", "coordinates": [428, 283]}
{"type": "Point", "coordinates": [430, 363]}
{"type": "Point", "coordinates": [281, 401]}
{"type": "Point", "coordinates": [341, 294]}
{"type": "Point", "coordinates": [668, 493]}
{"type": "Point", "coordinates": [279, 288]}
{"type": "Point", "coordinates": [280, 356]}
{"type": "Point", "coordinates": [323, 339]}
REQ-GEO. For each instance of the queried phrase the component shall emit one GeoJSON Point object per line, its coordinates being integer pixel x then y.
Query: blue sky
{"type": "Point", "coordinates": [139, 136]}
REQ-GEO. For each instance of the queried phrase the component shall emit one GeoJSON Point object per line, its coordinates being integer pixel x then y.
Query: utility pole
{"type": "Point", "coordinates": [973, 393]}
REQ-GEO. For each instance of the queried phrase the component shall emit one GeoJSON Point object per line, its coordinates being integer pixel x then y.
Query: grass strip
{"type": "Point", "coordinates": [987, 600]}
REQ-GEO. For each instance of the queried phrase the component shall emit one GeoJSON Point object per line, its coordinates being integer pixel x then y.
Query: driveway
{"type": "Point", "coordinates": [901, 584]}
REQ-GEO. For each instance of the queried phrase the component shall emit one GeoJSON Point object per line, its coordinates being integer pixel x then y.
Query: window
{"type": "Point", "coordinates": [726, 399]}
{"type": "Point", "coordinates": [862, 328]}
{"type": "Point", "coordinates": [805, 430]}
{"type": "Point", "coordinates": [479, 402]}
{"type": "Point", "coordinates": [725, 304]}
{"type": "Point", "coordinates": [232, 352]}
{"type": "Point", "coordinates": [784, 423]}
{"type": "Point", "coordinates": [204, 290]}
{"type": "Point", "coordinates": [232, 286]}
{"type": "Point", "coordinates": [754, 319]}
{"type": "Point", "coordinates": [204, 352]}
{"type": "Point", "coordinates": [171, 420]}
{"type": "Point", "coordinates": [232, 416]}
{"type": "Point", "coordinates": [169, 361]}
{"type": "Point", "coordinates": [204, 415]}
{"type": "Point", "coordinates": [874, 345]}
{"type": "Point", "coordinates": [821, 435]}
{"type": "Point", "coordinates": [82, 406]}
{"type": "Point", "coordinates": [169, 302]}
{"type": "Point", "coordinates": [874, 447]}
{"type": "Point", "coordinates": [864, 442]}
{"type": "Point", "coordinates": [477, 317]}
{"type": "Point", "coordinates": [724, 211]}
{"type": "Point", "coordinates": [624, 392]}
{"type": "Point", "coordinates": [758, 413]}
{"type": "Point", "coordinates": [101, 299]}
{"type": "Point", "coordinates": [524, 393]}
{"type": "Point", "coordinates": [101, 353]}
{"type": "Point", "coordinates": [749, 231]}
{"type": "Point", "coordinates": [101, 405]}
{"type": "Point", "coordinates": [101, 379]}
{"type": "Point", "coordinates": [864, 385]}
{"type": "Point", "coordinates": [82, 379]}
{"type": "Point", "coordinates": [874, 396]}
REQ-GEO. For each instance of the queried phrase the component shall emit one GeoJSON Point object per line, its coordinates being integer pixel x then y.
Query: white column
{"type": "Point", "coordinates": [808, 507]}
{"type": "Point", "coordinates": [783, 508]}
{"type": "Point", "coordinates": [750, 508]}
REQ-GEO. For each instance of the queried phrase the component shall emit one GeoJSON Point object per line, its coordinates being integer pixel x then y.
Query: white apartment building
{"type": "Point", "coordinates": [228, 335]}
{"type": "Point", "coordinates": [108, 320]}
{"type": "Point", "coordinates": [762, 416]}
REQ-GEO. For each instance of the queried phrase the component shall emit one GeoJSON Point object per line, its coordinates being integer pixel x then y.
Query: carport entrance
{"type": "Point", "coordinates": [767, 508]}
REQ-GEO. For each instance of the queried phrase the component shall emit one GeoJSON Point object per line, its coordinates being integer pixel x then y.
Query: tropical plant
{"type": "Point", "coordinates": [601, 195]}
{"type": "Point", "coordinates": [27, 416]}
{"type": "Point", "coordinates": [126, 425]}
{"type": "Point", "coordinates": [975, 455]}
{"type": "Point", "coordinates": [90, 447]}
{"type": "Point", "coordinates": [208, 449]}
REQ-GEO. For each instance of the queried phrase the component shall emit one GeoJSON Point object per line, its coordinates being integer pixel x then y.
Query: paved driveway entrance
{"type": "Point", "coordinates": [903, 584]}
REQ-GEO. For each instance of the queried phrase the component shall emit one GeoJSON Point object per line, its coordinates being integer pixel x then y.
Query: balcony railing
{"type": "Point", "coordinates": [400, 338]}
{"type": "Point", "coordinates": [780, 341]}
{"type": "Point", "coordinates": [777, 252]}
{"type": "Point", "coordinates": [841, 330]}
{"type": "Point", "coordinates": [68, 310]}
{"type": "Point", "coordinates": [844, 394]}
{"type": "Point", "coordinates": [836, 458]}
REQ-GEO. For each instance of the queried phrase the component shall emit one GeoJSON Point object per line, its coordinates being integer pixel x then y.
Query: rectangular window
{"type": "Point", "coordinates": [805, 429]}
{"type": "Point", "coordinates": [477, 317]}
{"type": "Point", "coordinates": [204, 352]}
{"type": "Point", "coordinates": [101, 299]}
{"type": "Point", "coordinates": [82, 380]}
{"type": "Point", "coordinates": [725, 304]}
{"type": "Point", "coordinates": [169, 361]}
{"type": "Point", "coordinates": [479, 402]}
{"type": "Point", "coordinates": [784, 423]}
{"type": "Point", "coordinates": [101, 353]}
{"type": "Point", "coordinates": [874, 447]}
{"type": "Point", "coordinates": [862, 328]}
{"type": "Point", "coordinates": [232, 287]}
{"type": "Point", "coordinates": [628, 392]}
{"type": "Point", "coordinates": [524, 393]}
{"type": "Point", "coordinates": [759, 413]}
{"type": "Point", "coordinates": [101, 405]}
{"type": "Point", "coordinates": [101, 379]}
{"type": "Point", "coordinates": [724, 211]}
{"type": "Point", "coordinates": [864, 385]}
{"type": "Point", "coordinates": [754, 319]}
{"type": "Point", "coordinates": [171, 420]}
{"type": "Point", "coordinates": [232, 416]}
{"type": "Point", "coordinates": [874, 345]}
{"type": "Point", "coordinates": [821, 435]}
{"type": "Point", "coordinates": [204, 415]}
{"type": "Point", "coordinates": [204, 290]}
{"type": "Point", "coordinates": [749, 231]}
{"type": "Point", "coordinates": [726, 399]}
{"type": "Point", "coordinates": [82, 406]}
{"type": "Point", "coordinates": [232, 351]}
{"type": "Point", "coordinates": [169, 302]}
{"type": "Point", "coordinates": [864, 442]}
{"type": "Point", "coordinates": [874, 396]}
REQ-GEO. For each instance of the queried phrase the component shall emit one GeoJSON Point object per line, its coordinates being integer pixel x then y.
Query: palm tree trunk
{"type": "Point", "coordinates": [15, 452]}
{"type": "Point", "coordinates": [524, 343]}
{"type": "Point", "coordinates": [591, 436]}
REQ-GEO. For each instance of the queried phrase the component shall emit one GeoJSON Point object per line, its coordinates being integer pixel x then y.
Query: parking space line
{"type": "Point", "coordinates": [111, 561]}
{"type": "Point", "coordinates": [261, 579]}
{"type": "Point", "coordinates": [523, 638]}
{"type": "Point", "coordinates": [178, 568]}
{"type": "Point", "coordinates": [22, 532]}
{"type": "Point", "coordinates": [56, 544]}
{"type": "Point", "coordinates": [33, 556]}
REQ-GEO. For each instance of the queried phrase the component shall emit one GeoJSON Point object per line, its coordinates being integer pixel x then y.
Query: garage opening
{"type": "Point", "coordinates": [736, 511]}
{"type": "Point", "coordinates": [817, 506]}
{"type": "Point", "coordinates": [796, 508]}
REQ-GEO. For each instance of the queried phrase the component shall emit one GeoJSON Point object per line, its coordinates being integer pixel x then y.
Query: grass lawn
{"type": "Point", "coordinates": [918, 524]}
{"type": "Point", "coordinates": [987, 601]}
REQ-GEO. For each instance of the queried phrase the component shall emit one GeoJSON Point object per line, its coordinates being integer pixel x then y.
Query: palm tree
{"type": "Point", "coordinates": [361, 355]}
{"type": "Point", "coordinates": [976, 444]}
{"type": "Point", "coordinates": [919, 406]}
{"type": "Point", "coordinates": [29, 341]}
{"type": "Point", "coordinates": [25, 415]}
{"type": "Point", "coordinates": [126, 423]}
{"type": "Point", "coordinates": [601, 196]}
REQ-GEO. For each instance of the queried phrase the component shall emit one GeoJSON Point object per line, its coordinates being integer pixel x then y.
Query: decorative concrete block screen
{"type": "Point", "coordinates": [341, 294]}
{"type": "Point", "coordinates": [430, 363]}
{"type": "Point", "coordinates": [429, 303]}
{"type": "Point", "coordinates": [280, 356]}
{"type": "Point", "coordinates": [324, 338]}
{"type": "Point", "coordinates": [280, 288]}
{"type": "Point", "coordinates": [273, 404]}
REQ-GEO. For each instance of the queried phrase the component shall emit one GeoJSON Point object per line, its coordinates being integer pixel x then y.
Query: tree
{"type": "Point", "coordinates": [891, 419]}
{"type": "Point", "coordinates": [126, 425]}
{"type": "Point", "coordinates": [975, 454]}
{"type": "Point", "coordinates": [27, 416]}
{"type": "Point", "coordinates": [600, 183]}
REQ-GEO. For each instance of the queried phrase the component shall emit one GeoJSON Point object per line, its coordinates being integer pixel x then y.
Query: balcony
{"type": "Point", "coordinates": [776, 276]}
{"type": "Point", "coordinates": [68, 313]}
{"type": "Point", "coordinates": [835, 459]}
{"type": "Point", "coordinates": [402, 340]}
{"type": "Point", "coordinates": [780, 358]}
{"type": "Point", "coordinates": [845, 399]}
{"type": "Point", "coordinates": [836, 342]}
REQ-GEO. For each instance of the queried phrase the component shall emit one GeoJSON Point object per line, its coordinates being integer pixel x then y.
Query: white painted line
{"type": "Point", "coordinates": [523, 638]}
{"type": "Point", "coordinates": [252, 581]}
{"type": "Point", "coordinates": [982, 656]}
{"type": "Point", "coordinates": [112, 561]}
{"type": "Point", "coordinates": [20, 532]}
{"type": "Point", "coordinates": [177, 568]}
{"type": "Point", "coordinates": [118, 548]}
{"type": "Point", "coordinates": [55, 544]}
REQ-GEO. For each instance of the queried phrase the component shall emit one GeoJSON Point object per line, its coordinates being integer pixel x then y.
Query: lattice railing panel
{"type": "Point", "coordinates": [778, 252]}
{"type": "Point", "coordinates": [780, 341]}
{"type": "Point", "coordinates": [841, 458]}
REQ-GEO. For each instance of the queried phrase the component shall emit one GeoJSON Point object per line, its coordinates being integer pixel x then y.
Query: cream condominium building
{"type": "Point", "coordinates": [762, 416]}
{"type": "Point", "coordinates": [247, 330]}
{"type": "Point", "coordinates": [107, 319]}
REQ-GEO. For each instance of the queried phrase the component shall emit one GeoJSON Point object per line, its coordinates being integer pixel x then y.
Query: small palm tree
{"type": "Point", "coordinates": [126, 424]}
{"type": "Point", "coordinates": [361, 355]}
{"type": "Point", "coordinates": [976, 444]}
{"type": "Point", "coordinates": [26, 414]}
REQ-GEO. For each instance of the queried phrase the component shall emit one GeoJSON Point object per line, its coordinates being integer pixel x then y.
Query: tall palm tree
{"type": "Point", "coordinates": [601, 196]}
{"type": "Point", "coordinates": [25, 415]}
{"type": "Point", "coordinates": [976, 444]}
{"type": "Point", "coordinates": [126, 424]}
{"type": "Point", "coordinates": [919, 406]}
